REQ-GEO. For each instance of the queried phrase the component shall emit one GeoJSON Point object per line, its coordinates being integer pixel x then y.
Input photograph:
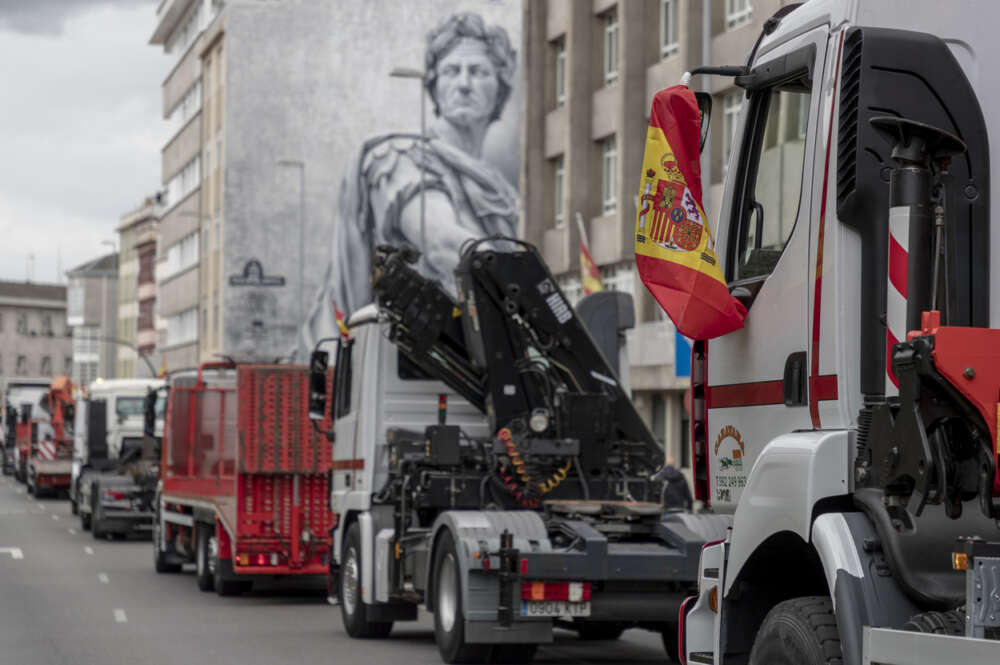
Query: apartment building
{"type": "Point", "coordinates": [179, 30]}
{"type": "Point", "coordinates": [137, 319]}
{"type": "Point", "coordinates": [92, 313]}
{"type": "Point", "coordinates": [594, 67]}
{"type": "Point", "coordinates": [34, 337]}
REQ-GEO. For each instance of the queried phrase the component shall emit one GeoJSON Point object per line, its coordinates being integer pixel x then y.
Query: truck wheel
{"type": "Point", "coordinates": [222, 571]}
{"type": "Point", "coordinates": [160, 563]}
{"type": "Point", "coordinates": [513, 654]}
{"type": "Point", "coordinates": [95, 522]}
{"type": "Point", "coordinates": [449, 618]}
{"type": "Point", "coordinates": [206, 557]}
{"type": "Point", "coordinates": [352, 607]}
{"type": "Point", "coordinates": [800, 631]}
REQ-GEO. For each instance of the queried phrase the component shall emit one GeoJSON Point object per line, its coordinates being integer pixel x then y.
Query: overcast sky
{"type": "Point", "coordinates": [81, 127]}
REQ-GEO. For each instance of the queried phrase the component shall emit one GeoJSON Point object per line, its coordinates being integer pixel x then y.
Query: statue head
{"type": "Point", "coordinates": [470, 69]}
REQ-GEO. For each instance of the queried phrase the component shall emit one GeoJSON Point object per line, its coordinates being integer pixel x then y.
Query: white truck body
{"type": "Point", "coordinates": [786, 472]}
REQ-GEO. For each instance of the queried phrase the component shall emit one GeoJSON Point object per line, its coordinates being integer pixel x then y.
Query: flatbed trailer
{"type": "Point", "coordinates": [244, 478]}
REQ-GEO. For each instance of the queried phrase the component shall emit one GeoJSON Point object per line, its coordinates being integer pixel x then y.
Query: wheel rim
{"type": "Point", "coordinates": [213, 554]}
{"type": "Point", "coordinates": [349, 581]}
{"type": "Point", "coordinates": [447, 596]}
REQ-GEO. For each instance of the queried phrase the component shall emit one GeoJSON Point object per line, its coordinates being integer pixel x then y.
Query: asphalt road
{"type": "Point", "coordinates": [67, 599]}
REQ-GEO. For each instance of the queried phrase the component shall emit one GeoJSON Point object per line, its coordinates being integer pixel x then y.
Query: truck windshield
{"type": "Point", "coordinates": [126, 407]}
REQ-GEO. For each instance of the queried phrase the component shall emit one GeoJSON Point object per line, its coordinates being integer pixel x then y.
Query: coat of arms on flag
{"type": "Point", "coordinates": [674, 250]}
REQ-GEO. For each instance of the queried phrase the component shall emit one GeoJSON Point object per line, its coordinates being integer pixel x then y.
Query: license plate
{"type": "Point", "coordinates": [554, 608]}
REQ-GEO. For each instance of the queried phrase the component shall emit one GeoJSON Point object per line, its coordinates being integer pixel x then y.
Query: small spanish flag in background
{"type": "Point", "coordinates": [590, 276]}
{"type": "Point", "coordinates": [341, 325]}
{"type": "Point", "coordinates": [674, 251]}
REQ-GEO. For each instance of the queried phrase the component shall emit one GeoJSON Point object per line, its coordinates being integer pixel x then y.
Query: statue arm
{"type": "Point", "coordinates": [443, 234]}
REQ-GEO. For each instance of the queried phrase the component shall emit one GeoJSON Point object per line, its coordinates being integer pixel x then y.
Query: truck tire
{"type": "Point", "coordinates": [160, 562]}
{"type": "Point", "coordinates": [222, 571]}
{"type": "Point", "coordinates": [449, 621]}
{"type": "Point", "coordinates": [800, 631]}
{"type": "Point", "coordinates": [206, 557]}
{"type": "Point", "coordinates": [95, 522]}
{"type": "Point", "coordinates": [353, 610]}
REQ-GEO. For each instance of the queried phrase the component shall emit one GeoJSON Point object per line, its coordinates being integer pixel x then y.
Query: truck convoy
{"type": "Point", "coordinates": [850, 427]}
{"type": "Point", "coordinates": [244, 489]}
{"type": "Point", "coordinates": [47, 452]}
{"type": "Point", "coordinates": [116, 463]}
{"type": "Point", "coordinates": [22, 399]}
{"type": "Point", "coordinates": [490, 467]}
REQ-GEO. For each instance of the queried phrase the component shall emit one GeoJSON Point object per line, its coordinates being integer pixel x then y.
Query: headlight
{"type": "Point", "coordinates": [539, 421]}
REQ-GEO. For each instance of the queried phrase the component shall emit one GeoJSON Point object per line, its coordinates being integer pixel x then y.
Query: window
{"type": "Point", "coordinates": [610, 47]}
{"type": "Point", "coordinates": [731, 105]}
{"type": "Point", "coordinates": [46, 368]}
{"type": "Point", "coordinates": [609, 170]}
{"type": "Point", "coordinates": [185, 109]}
{"type": "Point", "coordinates": [669, 44]}
{"type": "Point", "coordinates": [182, 254]}
{"type": "Point", "coordinates": [22, 323]}
{"type": "Point", "coordinates": [773, 179]}
{"type": "Point", "coordinates": [22, 365]}
{"type": "Point", "coordinates": [85, 344]}
{"type": "Point", "coordinates": [188, 31]}
{"type": "Point", "coordinates": [147, 259]}
{"type": "Point", "coordinates": [47, 325]}
{"type": "Point", "coordinates": [84, 373]}
{"type": "Point", "coordinates": [619, 277]}
{"type": "Point", "coordinates": [558, 180]}
{"type": "Point", "coordinates": [184, 182]}
{"type": "Point", "coordinates": [126, 407]}
{"type": "Point", "coordinates": [146, 314]}
{"type": "Point", "coordinates": [182, 327]}
{"type": "Point", "coordinates": [738, 12]}
{"type": "Point", "coordinates": [560, 47]}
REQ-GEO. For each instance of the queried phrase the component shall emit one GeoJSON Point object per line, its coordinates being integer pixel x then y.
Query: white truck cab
{"type": "Point", "coordinates": [813, 223]}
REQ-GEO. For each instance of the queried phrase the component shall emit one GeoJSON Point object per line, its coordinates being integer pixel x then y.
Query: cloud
{"type": "Point", "coordinates": [81, 133]}
{"type": "Point", "coordinates": [47, 17]}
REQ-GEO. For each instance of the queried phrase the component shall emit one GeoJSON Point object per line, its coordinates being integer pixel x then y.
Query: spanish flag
{"type": "Point", "coordinates": [590, 276]}
{"type": "Point", "coordinates": [340, 322]}
{"type": "Point", "coordinates": [674, 250]}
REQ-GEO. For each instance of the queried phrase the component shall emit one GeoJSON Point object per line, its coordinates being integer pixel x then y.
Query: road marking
{"type": "Point", "coordinates": [120, 616]}
{"type": "Point", "coordinates": [41, 506]}
{"type": "Point", "coordinates": [55, 518]}
{"type": "Point", "coordinates": [103, 577]}
{"type": "Point", "coordinates": [72, 531]}
{"type": "Point", "coordinates": [14, 552]}
{"type": "Point", "coordinates": [20, 490]}
{"type": "Point", "coordinates": [88, 549]}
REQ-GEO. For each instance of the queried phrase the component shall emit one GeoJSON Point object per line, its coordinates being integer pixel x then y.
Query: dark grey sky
{"type": "Point", "coordinates": [80, 127]}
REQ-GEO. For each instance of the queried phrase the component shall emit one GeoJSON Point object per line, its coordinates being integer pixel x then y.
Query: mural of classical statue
{"type": "Point", "coordinates": [470, 71]}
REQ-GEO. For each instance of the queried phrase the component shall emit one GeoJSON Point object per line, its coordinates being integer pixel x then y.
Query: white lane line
{"type": "Point", "coordinates": [88, 549]}
{"type": "Point", "coordinates": [103, 577]}
{"type": "Point", "coordinates": [120, 616]}
{"type": "Point", "coordinates": [40, 505]}
{"type": "Point", "coordinates": [14, 552]}
{"type": "Point", "coordinates": [72, 531]}
{"type": "Point", "coordinates": [55, 518]}
{"type": "Point", "coordinates": [20, 490]}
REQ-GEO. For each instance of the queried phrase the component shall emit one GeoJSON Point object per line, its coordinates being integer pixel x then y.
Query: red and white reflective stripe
{"type": "Point", "coordinates": [47, 450]}
{"type": "Point", "coordinates": [895, 306]}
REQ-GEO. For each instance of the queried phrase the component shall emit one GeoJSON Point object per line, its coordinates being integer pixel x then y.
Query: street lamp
{"type": "Point", "coordinates": [420, 75]}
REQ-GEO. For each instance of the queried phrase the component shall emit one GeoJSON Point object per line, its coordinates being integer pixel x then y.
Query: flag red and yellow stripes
{"type": "Point", "coordinates": [590, 276]}
{"type": "Point", "coordinates": [674, 250]}
{"type": "Point", "coordinates": [341, 325]}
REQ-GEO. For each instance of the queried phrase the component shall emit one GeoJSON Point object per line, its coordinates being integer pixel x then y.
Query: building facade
{"type": "Point", "coordinates": [92, 313]}
{"type": "Point", "coordinates": [593, 68]}
{"type": "Point", "coordinates": [35, 339]}
{"type": "Point", "coordinates": [179, 30]}
{"type": "Point", "coordinates": [137, 318]}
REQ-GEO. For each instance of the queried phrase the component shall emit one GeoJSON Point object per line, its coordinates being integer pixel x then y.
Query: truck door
{"type": "Point", "coordinates": [758, 376]}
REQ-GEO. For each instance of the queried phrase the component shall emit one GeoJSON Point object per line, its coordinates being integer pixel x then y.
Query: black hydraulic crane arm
{"type": "Point", "coordinates": [513, 346]}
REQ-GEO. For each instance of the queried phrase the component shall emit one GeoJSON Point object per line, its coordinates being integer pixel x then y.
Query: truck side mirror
{"type": "Point", "coordinates": [705, 107]}
{"type": "Point", "coordinates": [319, 363]}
